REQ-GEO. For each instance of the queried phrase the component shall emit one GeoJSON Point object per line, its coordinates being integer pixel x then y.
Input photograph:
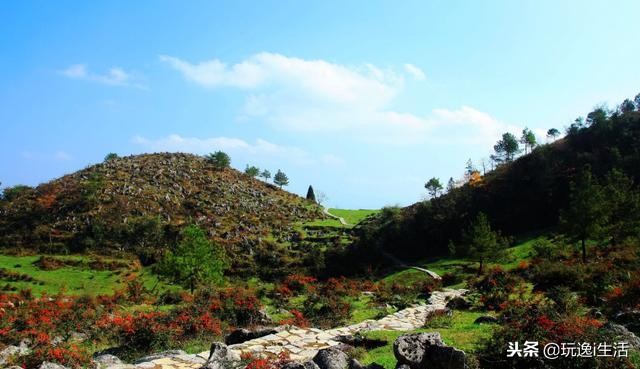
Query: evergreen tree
{"type": "Point", "coordinates": [623, 207]}
{"type": "Point", "coordinates": [627, 106]}
{"type": "Point", "coordinates": [528, 139]}
{"type": "Point", "coordinates": [506, 148]}
{"type": "Point", "coordinates": [585, 216]}
{"type": "Point", "coordinates": [195, 260]}
{"type": "Point", "coordinates": [311, 196]}
{"type": "Point", "coordinates": [480, 242]}
{"type": "Point", "coordinates": [280, 179]}
{"type": "Point", "coordinates": [553, 133]}
{"type": "Point", "coordinates": [251, 171]}
{"type": "Point", "coordinates": [219, 159]}
{"type": "Point", "coordinates": [266, 175]}
{"type": "Point", "coordinates": [434, 187]}
{"type": "Point", "coordinates": [110, 156]}
{"type": "Point", "coordinates": [451, 184]}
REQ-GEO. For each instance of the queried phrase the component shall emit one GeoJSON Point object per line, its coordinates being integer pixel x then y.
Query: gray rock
{"type": "Point", "coordinates": [410, 348]}
{"type": "Point", "coordinates": [48, 365]}
{"type": "Point", "coordinates": [630, 319]}
{"type": "Point", "coordinates": [10, 351]}
{"type": "Point", "coordinates": [310, 365]}
{"type": "Point", "coordinates": [243, 335]}
{"type": "Point", "coordinates": [331, 358]}
{"type": "Point", "coordinates": [426, 351]}
{"type": "Point", "coordinates": [106, 360]}
{"type": "Point", "coordinates": [293, 365]}
{"type": "Point", "coordinates": [486, 319]}
{"type": "Point", "coordinates": [458, 303]}
{"type": "Point", "coordinates": [220, 357]}
{"type": "Point", "coordinates": [160, 355]}
{"type": "Point", "coordinates": [443, 357]}
{"type": "Point", "coordinates": [620, 333]}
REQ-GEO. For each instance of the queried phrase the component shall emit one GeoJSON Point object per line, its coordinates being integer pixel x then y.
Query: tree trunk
{"type": "Point", "coordinates": [584, 251]}
{"type": "Point", "coordinates": [480, 267]}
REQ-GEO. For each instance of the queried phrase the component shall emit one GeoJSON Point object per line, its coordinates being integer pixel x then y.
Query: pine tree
{"type": "Point", "coordinates": [280, 179]}
{"type": "Point", "coordinates": [585, 216]}
{"type": "Point", "coordinates": [195, 260]}
{"type": "Point", "coordinates": [480, 242]}
{"type": "Point", "coordinates": [311, 196]}
{"type": "Point", "coordinates": [433, 187]}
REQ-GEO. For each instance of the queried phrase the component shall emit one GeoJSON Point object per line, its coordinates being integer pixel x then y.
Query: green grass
{"type": "Point", "coordinates": [460, 333]}
{"type": "Point", "coordinates": [353, 217]}
{"type": "Point", "coordinates": [71, 280]}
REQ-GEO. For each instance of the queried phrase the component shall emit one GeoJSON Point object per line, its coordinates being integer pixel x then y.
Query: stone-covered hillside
{"type": "Point", "coordinates": [139, 204]}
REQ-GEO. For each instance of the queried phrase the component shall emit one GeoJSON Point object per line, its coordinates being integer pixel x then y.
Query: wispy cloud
{"type": "Point", "coordinates": [114, 77]}
{"type": "Point", "coordinates": [316, 96]}
{"type": "Point", "coordinates": [416, 72]}
{"type": "Point", "coordinates": [260, 150]}
{"type": "Point", "coordinates": [302, 95]}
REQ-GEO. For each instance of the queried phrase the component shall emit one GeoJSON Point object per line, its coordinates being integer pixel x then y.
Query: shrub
{"type": "Point", "coordinates": [495, 287]}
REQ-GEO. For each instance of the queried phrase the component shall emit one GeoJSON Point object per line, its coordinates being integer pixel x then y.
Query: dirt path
{"type": "Point", "coordinates": [340, 219]}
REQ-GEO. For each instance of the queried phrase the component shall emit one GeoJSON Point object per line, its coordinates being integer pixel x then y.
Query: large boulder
{"type": "Point", "coordinates": [458, 303]}
{"type": "Point", "coordinates": [630, 319]}
{"type": "Point", "coordinates": [331, 358]}
{"type": "Point", "coordinates": [106, 360]}
{"type": "Point", "coordinates": [243, 335]}
{"type": "Point", "coordinates": [410, 348]}
{"type": "Point", "coordinates": [620, 333]}
{"type": "Point", "coordinates": [426, 351]}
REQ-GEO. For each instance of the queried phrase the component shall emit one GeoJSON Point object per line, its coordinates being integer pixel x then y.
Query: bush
{"type": "Point", "coordinates": [495, 287]}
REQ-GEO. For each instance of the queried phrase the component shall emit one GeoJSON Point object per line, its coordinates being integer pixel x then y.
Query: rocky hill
{"type": "Point", "coordinates": [139, 204]}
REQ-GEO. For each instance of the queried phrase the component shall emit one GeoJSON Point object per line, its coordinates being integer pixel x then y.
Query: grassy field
{"type": "Point", "coordinates": [459, 332]}
{"type": "Point", "coordinates": [353, 217]}
{"type": "Point", "coordinates": [74, 280]}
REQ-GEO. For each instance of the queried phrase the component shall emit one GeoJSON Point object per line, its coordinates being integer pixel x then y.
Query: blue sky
{"type": "Point", "coordinates": [365, 100]}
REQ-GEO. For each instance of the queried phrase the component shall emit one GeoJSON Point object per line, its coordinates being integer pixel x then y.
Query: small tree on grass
{"type": "Point", "coordinates": [219, 159]}
{"type": "Point", "coordinates": [480, 242]}
{"type": "Point", "coordinates": [266, 175]}
{"type": "Point", "coordinates": [252, 171]}
{"type": "Point", "coordinates": [585, 217]}
{"type": "Point", "coordinates": [280, 179]}
{"type": "Point", "coordinates": [195, 260]}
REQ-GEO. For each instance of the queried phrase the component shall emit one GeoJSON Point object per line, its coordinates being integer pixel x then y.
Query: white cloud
{"type": "Point", "coordinates": [316, 96]}
{"type": "Point", "coordinates": [301, 95]}
{"type": "Point", "coordinates": [113, 77]}
{"type": "Point", "coordinates": [260, 150]}
{"type": "Point", "coordinates": [416, 72]}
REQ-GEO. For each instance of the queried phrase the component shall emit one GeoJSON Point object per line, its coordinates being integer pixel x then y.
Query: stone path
{"type": "Point", "coordinates": [303, 343]}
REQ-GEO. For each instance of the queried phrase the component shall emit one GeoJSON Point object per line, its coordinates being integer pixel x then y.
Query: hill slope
{"type": "Point", "coordinates": [519, 197]}
{"type": "Point", "coordinates": [139, 204]}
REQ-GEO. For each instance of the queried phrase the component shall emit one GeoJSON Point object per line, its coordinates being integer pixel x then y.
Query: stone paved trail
{"type": "Point", "coordinates": [303, 343]}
